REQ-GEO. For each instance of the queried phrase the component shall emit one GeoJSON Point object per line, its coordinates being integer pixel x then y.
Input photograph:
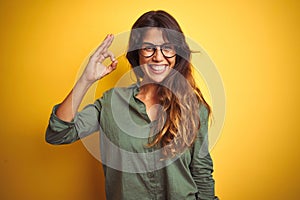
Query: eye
{"type": "Point", "coordinates": [148, 48]}
{"type": "Point", "coordinates": [168, 47]}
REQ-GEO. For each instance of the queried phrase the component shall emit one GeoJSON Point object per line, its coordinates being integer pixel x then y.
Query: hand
{"type": "Point", "coordinates": [95, 70]}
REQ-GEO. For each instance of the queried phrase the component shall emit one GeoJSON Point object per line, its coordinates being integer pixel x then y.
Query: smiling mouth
{"type": "Point", "coordinates": [158, 69]}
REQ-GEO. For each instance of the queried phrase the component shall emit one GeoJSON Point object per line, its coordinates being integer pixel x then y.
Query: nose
{"type": "Point", "coordinates": [158, 56]}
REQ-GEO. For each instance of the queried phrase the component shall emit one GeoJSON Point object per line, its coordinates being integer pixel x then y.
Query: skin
{"type": "Point", "coordinates": [149, 87]}
{"type": "Point", "coordinates": [95, 71]}
{"type": "Point", "coordinates": [154, 36]}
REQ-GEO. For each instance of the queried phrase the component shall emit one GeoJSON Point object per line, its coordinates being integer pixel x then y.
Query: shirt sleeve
{"type": "Point", "coordinates": [84, 123]}
{"type": "Point", "coordinates": [201, 165]}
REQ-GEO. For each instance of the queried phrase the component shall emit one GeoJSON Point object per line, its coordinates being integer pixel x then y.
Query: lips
{"type": "Point", "coordinates": [158, 69]}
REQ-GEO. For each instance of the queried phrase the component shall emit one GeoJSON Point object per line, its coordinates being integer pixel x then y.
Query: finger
{"type": "Point", "coordinates": [101, 58]}
{"type": "Point", "coordinates": [108, 42]}
{"type": "Point", "coordinates": [111, 55]}
{"type": "Point", "coordinates": [105, 55]}
{"type": "Point", "coordinates": [112, 66]}
{"type": "Point", "coordinates": [102, 45]}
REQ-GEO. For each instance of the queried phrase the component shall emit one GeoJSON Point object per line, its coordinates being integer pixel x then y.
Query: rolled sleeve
{"type": "Point", "coordinates": [84, 123]}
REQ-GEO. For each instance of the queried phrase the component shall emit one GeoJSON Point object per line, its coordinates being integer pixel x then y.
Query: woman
{"type": "Point", "coordinates": [153, 133]}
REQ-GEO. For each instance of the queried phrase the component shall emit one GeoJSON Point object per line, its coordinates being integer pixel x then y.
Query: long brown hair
{"type": "Point", "coordinates": [180, 98]}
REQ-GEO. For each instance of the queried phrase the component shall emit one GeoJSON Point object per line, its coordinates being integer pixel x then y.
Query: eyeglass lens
{"type": "Point", "coordinates": [148, 50]}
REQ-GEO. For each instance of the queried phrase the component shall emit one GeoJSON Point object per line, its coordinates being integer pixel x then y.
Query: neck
{"type": "Point", "coordinates": [148, 90]}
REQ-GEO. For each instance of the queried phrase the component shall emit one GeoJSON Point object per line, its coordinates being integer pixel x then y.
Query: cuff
{"type": "Point", "coordinates": [57, 124]}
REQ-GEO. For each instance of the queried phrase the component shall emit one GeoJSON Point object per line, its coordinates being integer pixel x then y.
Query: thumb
{"type": "Point", "coordinates": [112, 66]}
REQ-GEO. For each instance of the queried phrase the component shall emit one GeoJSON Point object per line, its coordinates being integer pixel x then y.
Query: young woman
{"type": "Point", "coordinates": [154, 132]}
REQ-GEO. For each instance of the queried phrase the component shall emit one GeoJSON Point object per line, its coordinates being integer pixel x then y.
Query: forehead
{"type": "Point", "coordinates": [154, 36]}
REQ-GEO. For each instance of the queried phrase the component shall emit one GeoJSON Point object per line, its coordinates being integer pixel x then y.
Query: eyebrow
{"type": "Point", "coordinates": [149, 43]}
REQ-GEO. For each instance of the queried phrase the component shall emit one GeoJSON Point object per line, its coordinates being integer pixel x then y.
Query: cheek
{"type": "Point", "coordinates": [142, 60]}
{"type": "Point", "coordinates": [172, 62]}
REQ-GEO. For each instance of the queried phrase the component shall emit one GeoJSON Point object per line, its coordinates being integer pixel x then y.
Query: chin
{"type": "Point", "coordinates": [155, 79]}
{"type": "Point", "coordinates": [158, 80]}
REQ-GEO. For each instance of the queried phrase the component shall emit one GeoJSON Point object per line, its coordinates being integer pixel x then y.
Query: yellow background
{"type": "Point", "coordinates": [254, 44]}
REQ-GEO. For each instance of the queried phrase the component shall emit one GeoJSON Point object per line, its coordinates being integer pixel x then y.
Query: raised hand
{"type": "Point", "coordinates": [95, 69]}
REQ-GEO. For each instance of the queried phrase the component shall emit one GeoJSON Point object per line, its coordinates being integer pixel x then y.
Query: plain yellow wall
{"type": "Point", "coordinates": [254, 44]}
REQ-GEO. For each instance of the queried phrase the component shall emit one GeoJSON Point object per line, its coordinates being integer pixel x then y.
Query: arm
{"type": "Point", "coordinates": [94, 71]}
{"type": "Point", "coordinates": [65, 123]}
{"type": "Point", "coordinates": [201, 165]}
{"type": "Point", "coordinates": [85, 122]}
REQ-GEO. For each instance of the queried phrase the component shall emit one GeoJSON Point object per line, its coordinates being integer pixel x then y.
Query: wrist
{"type": "Point", "coordinates": [83, 82]}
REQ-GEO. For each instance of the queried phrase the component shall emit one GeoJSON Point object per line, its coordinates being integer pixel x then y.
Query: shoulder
{"type": "Point", "coordinates": [204, 112]}
{"type": "Point", "coordinates": [119, 92]}
{"type": "Point", "coordinates": [124, 91]}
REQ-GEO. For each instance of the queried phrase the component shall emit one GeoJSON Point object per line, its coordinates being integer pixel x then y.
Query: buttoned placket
{"type": "Point", "coordinates": [152, 173]}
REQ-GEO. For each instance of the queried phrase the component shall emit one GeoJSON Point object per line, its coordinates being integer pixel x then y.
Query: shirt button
{"type": "Point", "coordinates": [150, 174]}
{"type": "Point", "coordinates": [150, 149]}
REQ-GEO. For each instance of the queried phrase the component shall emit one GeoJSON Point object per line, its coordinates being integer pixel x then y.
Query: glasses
{"type": "Point", "coordinates": [148, 49]}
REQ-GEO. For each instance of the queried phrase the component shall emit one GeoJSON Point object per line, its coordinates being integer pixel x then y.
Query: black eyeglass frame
{"type": "Point", "coordinates": [155, 49]}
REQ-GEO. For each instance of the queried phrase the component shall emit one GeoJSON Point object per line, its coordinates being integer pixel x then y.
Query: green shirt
{"type": "Point", "coordinates": [132, 170]}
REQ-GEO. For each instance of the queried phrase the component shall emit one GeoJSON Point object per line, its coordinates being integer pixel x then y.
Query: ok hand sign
{"type": "Point", "coordinates": [95, 70]}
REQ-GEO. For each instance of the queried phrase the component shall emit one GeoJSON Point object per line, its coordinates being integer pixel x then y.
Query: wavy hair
{"type": "Point", "coordinates": [178, 120]}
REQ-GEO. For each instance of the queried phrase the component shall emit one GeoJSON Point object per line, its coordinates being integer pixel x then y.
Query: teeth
{"type": "Point", "coordinates": [158, 67]}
